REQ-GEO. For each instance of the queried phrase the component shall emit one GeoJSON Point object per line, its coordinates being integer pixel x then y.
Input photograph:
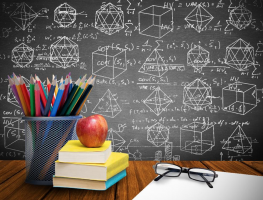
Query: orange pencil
{"type": "Point", "coordinates": [21, 97]}
{"type": "Point", "coordinates": [25, 93]}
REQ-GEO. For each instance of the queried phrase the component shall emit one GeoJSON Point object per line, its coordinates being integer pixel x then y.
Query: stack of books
{"type": "Point", "coordinates": [89, 168]}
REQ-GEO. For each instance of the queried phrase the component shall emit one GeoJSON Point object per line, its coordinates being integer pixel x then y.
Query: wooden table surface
{"type": "Point", "coordinates": [139, 175]}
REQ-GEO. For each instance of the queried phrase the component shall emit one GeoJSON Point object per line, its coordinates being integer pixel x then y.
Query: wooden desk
{"type": "Point", "coordinates": [139, 175]}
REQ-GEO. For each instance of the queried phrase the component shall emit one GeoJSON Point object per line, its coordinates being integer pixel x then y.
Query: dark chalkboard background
{"type": "Point", "coordinates": [134, 125]}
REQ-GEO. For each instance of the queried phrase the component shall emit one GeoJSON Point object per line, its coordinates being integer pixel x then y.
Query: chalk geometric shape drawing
{"type": "Point", "coordinates": [109, 62]}
{"type": "Point", "coordinates": [116, 140]}
{"type": "Point", "coordinates": [155, 21]}
{"type": "Point", "coordinates": [157, 101]}
{"type": "Point", "coordinates": [158, 156]}
{"type": "Point", "coordinates": [197, 95]}
{"type": "Point", "coordinates": [197, 138]}
{"type": "Point", "coordinates": [65, 15]}
{"type": "Point", "coordinates": [64, 52]}
{"type": "Point", "coordinates": [240, 55]}
{"type": "Point", "coordinates": [154, 65]}
{"type": "Point", "coordinates": [158, 134]}
{"type": "Point", "coordinates": [238, 142]}
{"type": "Point", "coordinates": [14, 135]}
{"type": "Point", "coordinates": [168, 149]}
{"type": "Point", "coordinates": [22, 55]}
{"type": "Point", "coordinates": [109, 19]}
{"type": "Point", "coordinates": [239, 98]}
{"type": "Point", "coordinates": [259, 47]}
{"type": "Point", "coordinates": [176, 157]}
{"type": "Point", "coordinates": [199, 18]}
{"type": "Point", "coordinates": [198, 57]}
{"type": "Point", "coordinates": [107, 105]}
{"type": "Point", "coordinates": [23, 16]}
{"type": "Point", "coordinates": [10, 95]}
{"type": "Point", "coordinates": [240, 17]}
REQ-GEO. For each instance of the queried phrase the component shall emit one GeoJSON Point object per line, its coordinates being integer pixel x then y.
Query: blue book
{"type": "Point", "coordinates": [78, 183]}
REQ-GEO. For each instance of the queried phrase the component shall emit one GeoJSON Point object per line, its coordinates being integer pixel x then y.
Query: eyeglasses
{"type": "Point", "coordinates": [197, 174]}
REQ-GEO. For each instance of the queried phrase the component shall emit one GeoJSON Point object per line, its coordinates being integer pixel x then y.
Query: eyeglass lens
{"type": "Point", "coordinates": [201, 175]}
{"type": "Point", "coordinates": [165, 169]}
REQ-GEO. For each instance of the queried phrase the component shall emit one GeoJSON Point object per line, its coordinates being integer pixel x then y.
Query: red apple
{"type": "Point", "coordinates": [92, 131]}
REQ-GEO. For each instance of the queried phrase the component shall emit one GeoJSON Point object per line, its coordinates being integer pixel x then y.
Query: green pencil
{"type": "Point", "coordinates": [32, 96]}
{"type": "Point", "coordinates": [75, 100]}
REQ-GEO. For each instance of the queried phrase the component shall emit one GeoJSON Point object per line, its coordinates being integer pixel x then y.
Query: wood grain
{"type": "Point", "coordinates": [257, 165]}
{"type": "Point", "coordinates": [128, 187]}
{"type": "Point", "coordinates": [190, 164]}
{"type": "Point", "coordinates": [230, 166]}
{"type": "Point", "coordinates": [9, 168]}
{"type": "Point", "coordinates": [57, 193]}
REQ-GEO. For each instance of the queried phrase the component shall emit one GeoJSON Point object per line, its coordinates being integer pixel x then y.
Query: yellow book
{"type": "Point", "coordinates": [75, 151]}
{"type": "Point", "coordinates": [116, 163]}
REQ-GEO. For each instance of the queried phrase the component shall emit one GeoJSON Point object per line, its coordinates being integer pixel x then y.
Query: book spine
{"type": "Point", "coordinates": [115, 179]}
{"type": "Point", "coordinates": [118, 166]}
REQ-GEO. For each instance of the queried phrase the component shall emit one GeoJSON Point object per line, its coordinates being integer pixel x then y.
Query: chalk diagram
{"type": "Point", "coordinates": [22, 55]}
{"type": "Point", "coordinates": [109, 62]}
{"type": "Point", "coordinates": [116, 140]}
{"type": "Point", "coordinates": [197, 138]}
{"type": "Point", "coordinates": [155, 21]}
{"type": "Point", "coordinates": [240, 17]}
{"type": "Point", "coordinates": [109, 19]}
{"type": "Point", "coordinates": [168, 154]}
{"type": "Point", "coordinates": [137, 155]}
{"type": "Point", "coordinates": [158, 134]}
{"type": "Point", "coordinates": [238, 142]}
{"type": "Point", "coordinates": [240, 55]}
{"type": "Point", "coordinates": [10, 95]}
{"type": "Point", "coordinates": [197, 95]}
{"type": "Point", "coordinates": [14, 135]}
{"type": "Point", "coordinates": [239, 98]}
{"type": "Point", "coordinates": [154, 65]}
{"type": "Point", "coordinates": [259, 47]}
{"type": "Point", "coordinates": [64, 52]}
{"type": "Point", "coordinates": [199, 18]}
{"type": "Point", "coordinates": [157, 101]}
{"type": "Point", "coordinates": [107, 105]}
{"type": "Point", "coordinates": [198, 57]}
{"type": "Point", "coordinates": [65, 15]}
{"type": "Point", "coordinates": [24, 15]}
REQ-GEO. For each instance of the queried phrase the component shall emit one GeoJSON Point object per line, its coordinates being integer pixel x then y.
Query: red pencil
{"type": "Point", "coordinates": [48, 85]}
{"type": "Point", "coordinates": [25, 93]}
{"type": "Point", "coordinates": [42, 94]}
{"type": "Point", "coordinates": [37, 101]}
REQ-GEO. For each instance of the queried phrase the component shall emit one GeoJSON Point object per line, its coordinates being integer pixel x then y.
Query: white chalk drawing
{"type": "Point", "coordinates": [109, 19]}
{"type": "Point", "coordinates": [64, 52]}
{"type": "Point", "coordinates": [158, 156]}
{"type": "Point", "coordinates": [65, 15]}
{"type": "Point", "coordinates": [199, 18]}
{"type": "Point", "coordinates": [198, 57]}
{"type": "Point", "coordinates": [22, 55]}
{"type": "Point", "coordinates": [259, 47]}
{"type": "Point", "coordinates": [109, 62]}
{"type": "Point", "coordinates": [157, 101]}
{"type": "Point", "coordinates": [240, 17]}
{"type": "Point", "coordinates": [114, 136]}
{"type": "Point", "coordinates": [239, 98]}
{"type": "Point", "coordinates": [24, 15]}
{"type": "Point", "coordinates": [197, 95]}
{"type": "Point", "coordinates": [107, 105]}
{"type": "Point", "coordinates": [197, 138]}
{"type": "Point", "coordinates": [176, 157]}
{"type": "Point", "coordinates": [136, 155]}
{"type": "Point", "coordinates": [11, 98]}
{"type": "Point", "coordinates": [14, 135]}
{"type": "Point", "coordinates": [168, 150]}
{"type": "Point", "coordinates": [240, 55]}
{"type": "Point", "coordinates": [155, 21]}
{"type": "Point", "coordinates": [154, 65]}
{"type": "Point", "coordinates": [238, 142]}
{"type": "Point", "coordinates": [158, 134]}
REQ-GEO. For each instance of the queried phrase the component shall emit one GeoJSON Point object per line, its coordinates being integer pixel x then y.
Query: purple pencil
{"type": "Point", "coordinates": [12, 85]}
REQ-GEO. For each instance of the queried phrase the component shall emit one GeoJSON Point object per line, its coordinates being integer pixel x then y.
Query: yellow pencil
{"type": "Point", "coordinates": [21, 96]}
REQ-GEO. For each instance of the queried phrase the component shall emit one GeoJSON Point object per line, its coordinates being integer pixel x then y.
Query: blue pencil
{"type": "Point", "coordinates": [42, 108]}
{"type": "Point", "coordinates": [50, 96]}
{"type": "Point", "coordinates": [57, 101]}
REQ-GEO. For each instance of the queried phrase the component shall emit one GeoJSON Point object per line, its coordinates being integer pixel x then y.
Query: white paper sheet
{"type": "Point", "coordinates": [226, 186]}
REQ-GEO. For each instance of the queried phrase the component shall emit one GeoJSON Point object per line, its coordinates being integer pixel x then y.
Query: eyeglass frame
{"type": "Point", "coordinates": [184, 170]}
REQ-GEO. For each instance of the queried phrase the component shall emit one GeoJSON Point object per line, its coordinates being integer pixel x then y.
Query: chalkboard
{"type": "Point", "coordinates": [175, 80]}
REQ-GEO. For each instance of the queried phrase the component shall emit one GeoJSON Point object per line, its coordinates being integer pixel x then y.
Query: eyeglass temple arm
{"type": "Point", "coordinates": [207, 182]}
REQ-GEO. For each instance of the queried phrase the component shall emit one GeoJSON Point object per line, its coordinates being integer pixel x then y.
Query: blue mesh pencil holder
{"type": "Point", "coordinates": [45, 136]}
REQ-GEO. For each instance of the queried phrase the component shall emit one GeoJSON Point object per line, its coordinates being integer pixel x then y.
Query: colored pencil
{"type": "Point", "coordinates": [50, 96]}
{"type": "Point", "coordinates": [13, 87]}
{"type": "Point", "coordinates": [45, 91]}
{"type": "Point", "coordinates": [77, 109]}
{"type": "Point", "coordinates": [48, 85]}
{"type": "Point", "coordinates": [25, 93]}
{"type": "Point", "coordinates": [32, 96]}
{"type": "Point", "coordinates": [42, 108]}
{"type": "Point", "coordinates": [42, 94]}
{"type": "Point", "coordinates": [21, 97]}
{"type": "Point", "coordinates": [75, 100]}
{"type": "Point", "coordinates": [65, 94]}
{"type": "Point", "coordinates": [37, 101]}
{"type": "Point", "coordinates": [57, 101]}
